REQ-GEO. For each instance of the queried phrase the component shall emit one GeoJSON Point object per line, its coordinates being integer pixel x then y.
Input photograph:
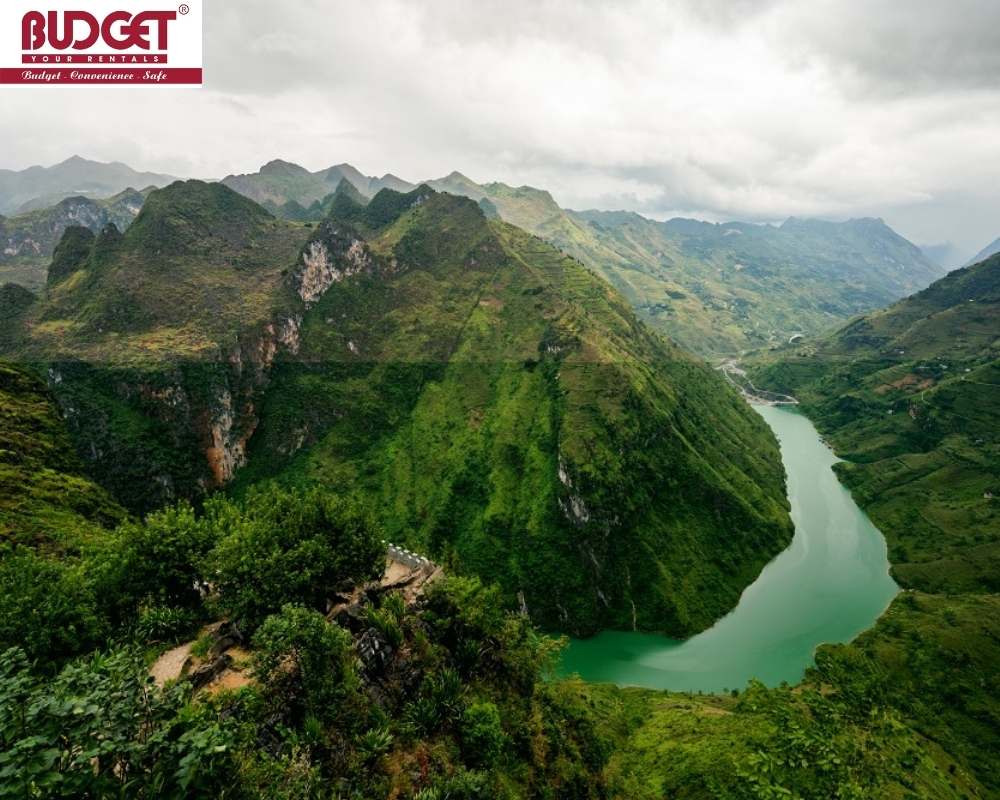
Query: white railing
{"type": "Point", "coordinates": [406, 557]}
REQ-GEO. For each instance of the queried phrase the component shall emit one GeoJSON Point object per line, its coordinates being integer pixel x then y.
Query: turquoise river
{"type": "Point", "coordinates": [830, 584]}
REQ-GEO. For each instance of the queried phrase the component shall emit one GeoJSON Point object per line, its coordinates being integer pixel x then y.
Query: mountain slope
{"type": "Point", "coordinates": [516, 420]}
{"type": "Point", "coordinates": [910, 396]}
{"type": "Point", "coordinates": [156, 340]}
{"type": "Point", "coordinates": [505, 407]}
{"type": "Point", "coordinates": [40, 187]}
{"type": "Point", "coordinates": [45, 499]}
{"type": "Point", "coordinates": [990, 250]}
{"type": "Point", "coordinates": [29, 239]}
{"type": "Point", "coordinates": [723, 288]}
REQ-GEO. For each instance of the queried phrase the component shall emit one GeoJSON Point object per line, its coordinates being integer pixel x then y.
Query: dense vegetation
{"type": "Point", "coordinates": [499, 407]}
{"type": "Point", "coordinates": [447, 703]}
{"type": "Point", "coordinates": [452, 703]}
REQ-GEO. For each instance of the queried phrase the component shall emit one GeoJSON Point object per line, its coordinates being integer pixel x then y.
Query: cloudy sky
{"type": "Point", "coordinates": [745, 109]}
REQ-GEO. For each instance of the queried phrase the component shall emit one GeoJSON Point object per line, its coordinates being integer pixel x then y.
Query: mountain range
{"type": "Point", "coordinates": [39, 187]}
{"type": "Point", "coordinates": [716, 289]}
{"type": "Point", "coordinates": [509, 411]}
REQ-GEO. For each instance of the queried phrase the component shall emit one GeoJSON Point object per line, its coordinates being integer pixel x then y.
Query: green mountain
{"type": "Point", "coordinates": [720, 289]}
{"type": "Point", "coordinates": [506, 409]}
{"type": "Point", "coordinates": [40, 187]}
{"type": "Point", "coordinates": [30, 238]}
{"type": "Point", "coordinates": [910, 397]}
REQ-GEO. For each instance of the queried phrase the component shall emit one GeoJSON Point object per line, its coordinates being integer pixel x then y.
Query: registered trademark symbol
{"type": "Point", "coordinates": [184, 8]}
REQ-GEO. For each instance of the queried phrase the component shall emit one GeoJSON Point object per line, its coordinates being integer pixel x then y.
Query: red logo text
{"type": "Point", "coordinates": [81, 30]}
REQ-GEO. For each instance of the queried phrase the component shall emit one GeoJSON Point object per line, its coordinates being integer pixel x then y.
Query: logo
{"type": "Point", "coordinates": [153, 42]}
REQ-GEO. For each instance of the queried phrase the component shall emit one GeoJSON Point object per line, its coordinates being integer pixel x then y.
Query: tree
{"type": "Point", "coordinates": [46, 607]}
{"type": "Point", "coordinates": [289, 547]}
{"type": "Point", "coordinates": [155, 562]}
{"type": "Point", "coordinates": [305, 662]}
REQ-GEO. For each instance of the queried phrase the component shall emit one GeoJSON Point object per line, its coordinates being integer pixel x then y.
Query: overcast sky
{"type": "Point", "coordinates": [743, 109]}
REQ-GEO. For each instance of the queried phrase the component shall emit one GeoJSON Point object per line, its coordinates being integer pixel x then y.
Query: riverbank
{"type": "Point", "coordinates": [829, 585]}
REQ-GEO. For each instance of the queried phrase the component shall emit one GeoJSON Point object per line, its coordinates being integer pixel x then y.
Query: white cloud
{"type": "Point", "coordinates": [749, 109]}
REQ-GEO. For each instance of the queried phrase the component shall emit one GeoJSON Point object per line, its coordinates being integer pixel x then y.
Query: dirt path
{"type": "Point", "coordinates": [170, 665]}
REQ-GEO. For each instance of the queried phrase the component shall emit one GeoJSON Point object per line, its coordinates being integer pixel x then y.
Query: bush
{"type": "Point", "coordinates": [289, 547]}
{"type": "Point", "coordinates": [305, 663]}
{"type": "Point", "coordinates": [156, 562]}
{"type": "Point", "coordinates": [159, 624]}
{"type": "Point", "coordinates": [482, 734]}
{"type": "Point", "coordinates": [47, 607]}
{"type": "Point", "coordinates": [101, 729]}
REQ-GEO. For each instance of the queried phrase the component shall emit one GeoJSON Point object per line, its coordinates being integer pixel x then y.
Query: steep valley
{"type": "Point", "coordinates": [401, 349]}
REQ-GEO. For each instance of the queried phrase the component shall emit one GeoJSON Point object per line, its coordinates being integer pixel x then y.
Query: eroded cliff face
{"type": "Point", "coordinates": [233, 411]}
{"type": "Point", "coordinates": [171, 430]}
{"type": "Point", "coordinates": [333, 255]}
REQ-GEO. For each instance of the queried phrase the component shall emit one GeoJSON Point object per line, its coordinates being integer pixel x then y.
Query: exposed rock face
{"type": "Point", "coordinates": [36, 234]}
{"type": "Point", "coordinates": [333, 255]}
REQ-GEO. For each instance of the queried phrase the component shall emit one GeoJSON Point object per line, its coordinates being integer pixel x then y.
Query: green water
{"type": "Point", "coordinates": [828, 586]}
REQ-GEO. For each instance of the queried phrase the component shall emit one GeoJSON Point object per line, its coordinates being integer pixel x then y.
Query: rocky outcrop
{"type": "Point", "coordinates": [331, 256]}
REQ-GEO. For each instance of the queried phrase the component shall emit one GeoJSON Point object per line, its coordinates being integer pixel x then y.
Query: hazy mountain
{"type": "Point", "coordinates": [505, 407]}
{"type": "Point", "coordinates": [39, 187]}
{"type": "Point", "coordinates": [991, 249]}
{"type": "Point", "coordinates": [723, 288]}
{"type": "Point", "coordinates": [911, 397]}
{"type": "Point", "coordinates": [280, 182]}
{"type": "Point", "coordinates": [946, 254]}
{"type": "Point", "coordinates": [28, 239]}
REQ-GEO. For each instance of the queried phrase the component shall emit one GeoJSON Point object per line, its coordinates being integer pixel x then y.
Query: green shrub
{"type": "Point", "coordinates": [284, 547]}
{"type": "Point", "coordinates": [47, 608]}
{"type": "Point", "coordinates": [305, 663]}
{"type": "Point", "coordinates": [155, 562]}
{"type": "Point", "coordinates": [101, 729]}
{"type": "Point", "coordinates": [482, 734]}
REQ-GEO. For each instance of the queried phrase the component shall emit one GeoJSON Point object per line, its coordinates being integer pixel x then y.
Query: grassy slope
{"type": "Point", "coordinates": [455, 379]}
{"type": "Point", "coordinates": [723, 288]}
{"type": "Point", "coordinates": [45, 499]}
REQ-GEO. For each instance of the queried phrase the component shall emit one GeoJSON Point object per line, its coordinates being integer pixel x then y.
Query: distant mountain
{"type": "Point", "coordinates": [40, 187]}
{"type": "Point", "coordinates": [278, 183]}
{"type": "Point", "coordinates": [723, 288]}
{"type": "Point", "coordinates": [29, 239]}
{"type": "Point", "coordinates": [946, 254]}
{"type": "Point", "coordinates": [911, 397]}
{"type": "Point", "coordinates": [991, 249]}
{"type": "Point", "coordinates": [506, 410]}
{"type": "Point", "coordinates": [715, 289]}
